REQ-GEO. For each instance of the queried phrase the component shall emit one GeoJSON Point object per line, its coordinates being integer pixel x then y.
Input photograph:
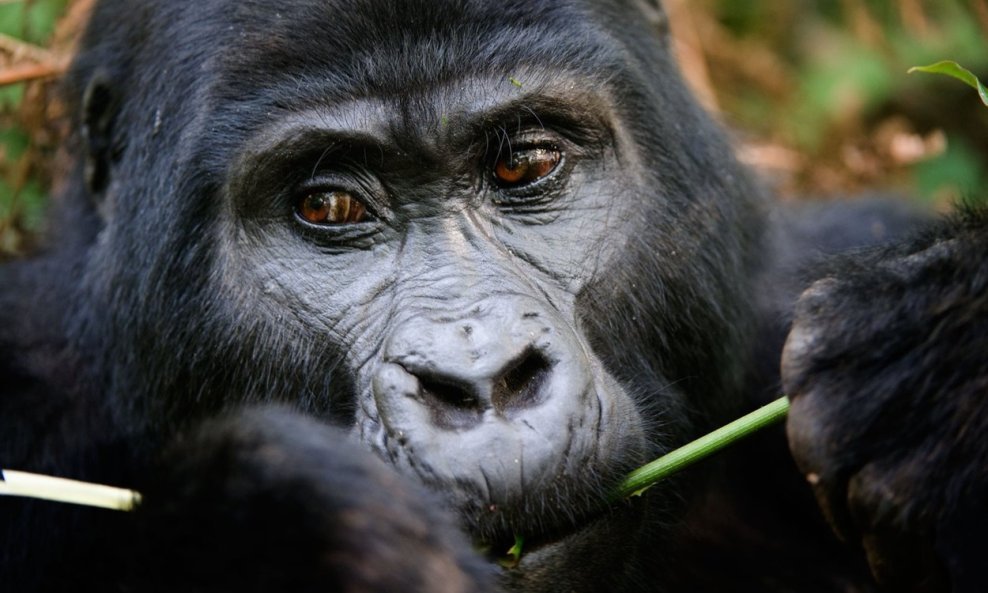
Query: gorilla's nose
{"type": "Point", "coordinates": [486, 402]}
{"type": "Point", "coordinates": [463, 367]}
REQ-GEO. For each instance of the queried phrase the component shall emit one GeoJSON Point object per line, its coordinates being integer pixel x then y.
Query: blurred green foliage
{"type": "Point", "coordinates": [961, 165]}
{"type": "Point", "coordinates": [22, 194]}
{"type": "Point", "coordinates": [31, 20]}
{"type": "Point", "coordinates": [848, 60]}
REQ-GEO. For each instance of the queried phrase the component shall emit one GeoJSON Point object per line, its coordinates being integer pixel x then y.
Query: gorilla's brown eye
{"type": "Point", "coordinates": [331, 207]}
{"type": "Point", "coordinates": [525, 166]}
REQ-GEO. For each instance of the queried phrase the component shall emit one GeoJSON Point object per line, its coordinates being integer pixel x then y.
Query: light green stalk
{"type": "Point", "coordinates": [644, 477]}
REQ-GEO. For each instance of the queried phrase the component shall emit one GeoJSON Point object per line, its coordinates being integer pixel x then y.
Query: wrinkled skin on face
{"type": "Point", "coordinates": [469, 319]}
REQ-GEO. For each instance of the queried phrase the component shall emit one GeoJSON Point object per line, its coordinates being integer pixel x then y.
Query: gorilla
{"type": "Point", "coordinates": [356, 292]}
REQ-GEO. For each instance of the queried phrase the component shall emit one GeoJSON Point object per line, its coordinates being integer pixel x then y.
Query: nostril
{"type": "Point", "coordinates": [451, 406]}
{"type": "Point", "coordinates": [519, 386]}
{"type": "Point", "coordinates": [448, 393]}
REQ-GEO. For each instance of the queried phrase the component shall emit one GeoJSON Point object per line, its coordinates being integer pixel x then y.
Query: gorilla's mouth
{"type": "Point", "coordinates": [536, 545]}
{"type": "Point", "coordinates": [498, 549]}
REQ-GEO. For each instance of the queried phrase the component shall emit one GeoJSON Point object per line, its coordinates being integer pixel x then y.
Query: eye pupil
{"type": "Point", "coordinates": [334, 207]}
{"type": "Point", "coordinates": [525, 166]}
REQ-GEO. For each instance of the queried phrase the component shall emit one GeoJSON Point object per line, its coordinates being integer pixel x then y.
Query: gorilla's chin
{"type": "Point", "coordinates": [595, 555]}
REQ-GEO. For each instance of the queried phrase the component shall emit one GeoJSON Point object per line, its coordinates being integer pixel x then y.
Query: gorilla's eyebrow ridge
{"type": "Point", "coordinates": [452, 116]}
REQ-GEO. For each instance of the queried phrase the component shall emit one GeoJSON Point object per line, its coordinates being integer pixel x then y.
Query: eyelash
{"type": "Point", "coordinates": [525, 172]}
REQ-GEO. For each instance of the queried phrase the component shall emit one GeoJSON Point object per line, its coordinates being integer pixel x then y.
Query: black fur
{"type": "Point", "coordinates": [513, 350]}
{"type": "Point", "coordinates": [887, 359]}
{"type": "Point", "coordinates": [304, 509]}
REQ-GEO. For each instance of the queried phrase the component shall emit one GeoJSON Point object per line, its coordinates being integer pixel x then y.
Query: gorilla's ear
{"type": "Point", "coordinates": [654, 14]}
{"type": "Point", "coordinates": [99, 109]}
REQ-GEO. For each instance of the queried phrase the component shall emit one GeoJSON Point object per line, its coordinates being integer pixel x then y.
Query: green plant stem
{"type": "Point", "coordinates": [646, 476]}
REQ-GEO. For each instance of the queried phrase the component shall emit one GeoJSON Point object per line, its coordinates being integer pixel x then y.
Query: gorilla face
{"type": "Point", "coordinates": [489, 237]}
{"type": "Point", "coordinates": [439, 242]}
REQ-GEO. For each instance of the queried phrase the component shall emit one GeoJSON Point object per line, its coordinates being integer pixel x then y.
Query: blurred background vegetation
{"type": "Point", "coordinates": [816, 92]}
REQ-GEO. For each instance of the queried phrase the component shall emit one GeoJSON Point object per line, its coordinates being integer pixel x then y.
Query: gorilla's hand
{"type": "Point", "coordinates": [267, 500]}
{"type": "Point", "coordinates": [887, 366]}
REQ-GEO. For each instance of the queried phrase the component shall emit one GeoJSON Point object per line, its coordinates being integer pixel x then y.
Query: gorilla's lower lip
{"type": "Point", "coordinates": [537, 546]}
{"type": "Point", "coordinates": [533, 544]}
{"type": "Point", "coordinates": [538, 549]}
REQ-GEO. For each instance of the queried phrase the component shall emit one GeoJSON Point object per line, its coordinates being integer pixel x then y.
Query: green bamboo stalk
{"type": "Point", "coordinates": [646, 476]}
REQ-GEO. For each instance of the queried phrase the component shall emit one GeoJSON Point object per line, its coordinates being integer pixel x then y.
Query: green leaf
{"type": "Point", "coordinates": [515, 551]}
{"type": "Point", "coordinates": [950, 68]}
{"type": "Point", "coordinates": [513, 556]}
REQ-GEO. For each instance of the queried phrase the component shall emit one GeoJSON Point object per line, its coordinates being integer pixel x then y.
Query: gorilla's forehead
{"type": "Point", "coordinates": [444, 118]}
{"type": "Point", "coordinates": [377, 48]}
{"type": "Point", "coordinates": [426, 59]}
